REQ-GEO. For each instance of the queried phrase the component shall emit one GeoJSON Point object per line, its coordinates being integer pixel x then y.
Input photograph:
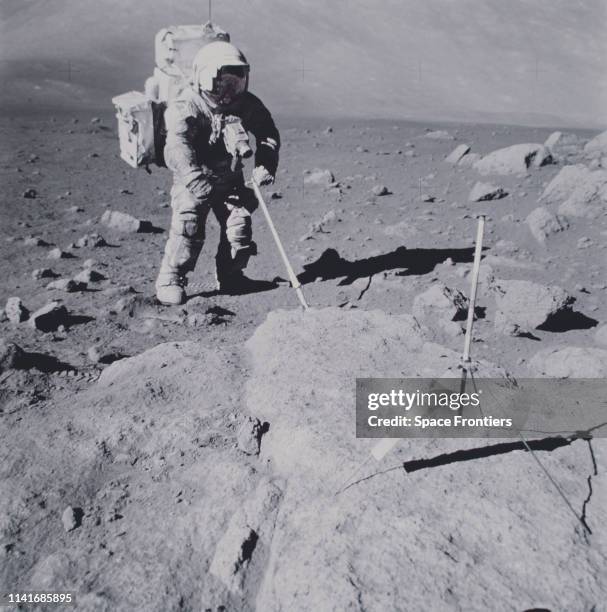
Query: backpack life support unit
{"type": "Point", "coordinates": [140, 115]}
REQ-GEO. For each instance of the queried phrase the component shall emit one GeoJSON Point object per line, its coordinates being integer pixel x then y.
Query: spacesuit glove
{"type": "Point", "coordinates": [261, 176]}
{"type": "Point", "coordinates": [200, 187]}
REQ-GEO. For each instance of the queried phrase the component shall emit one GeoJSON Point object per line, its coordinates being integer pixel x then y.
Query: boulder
{"type": "Point", "coordinates": [516, 159]}
{"type": "Point", "coordinates": [486, 191]}
{"type": "Point", "coordinates": [601, 336]}
{"type": "Point", "coordinates": [552, 140]}
{"type": "Point", "coordinates": [598, 143]}
{"type": "Point", "coordinates": [580, 191]}
{"type": "Point", "coordinates": [15, 311]}
{"type": "Point", "coordinates": [336, 551]}
{"type": "Point", "coordinates": [438, 135]}
{"type": "Point", "coordinates": [456, 155]}
{"type": "Point", "coordinates": [469, 160]}
{"type": "Point", "coordinates": [124, 222]}
{"type": "Point", "coordinates": [522, 306]}
{"type": "Point", "coordinates": [544, 223]}
{"type": "Point", "coordinates": [49, 317]}
{"type": "Point", "coordinates": [440, 304]}
{"type": "Point", "coordinates": [570, 362]}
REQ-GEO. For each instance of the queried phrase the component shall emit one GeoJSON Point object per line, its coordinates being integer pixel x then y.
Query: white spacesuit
{"type": "Point", "coordinates": [205, 141]}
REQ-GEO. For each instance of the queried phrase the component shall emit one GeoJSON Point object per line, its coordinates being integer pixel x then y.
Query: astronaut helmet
{"type": "Point", "coordinates": [221, 72]}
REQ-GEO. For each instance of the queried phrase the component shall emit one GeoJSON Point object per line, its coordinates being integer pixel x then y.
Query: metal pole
{"type": "Point", "coordinates": [472, 301]}
{"type": "Point", "coordinates": [292, 277]}
{"type": "Point", "coordinates": [477, 263]}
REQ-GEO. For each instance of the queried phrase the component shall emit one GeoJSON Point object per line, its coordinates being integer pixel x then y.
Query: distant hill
{"type": "Point", "coordinates": [528, 61]}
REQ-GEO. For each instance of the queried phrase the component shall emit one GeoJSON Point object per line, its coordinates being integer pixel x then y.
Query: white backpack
{"type": "Point", "coordinates": [140, 115]}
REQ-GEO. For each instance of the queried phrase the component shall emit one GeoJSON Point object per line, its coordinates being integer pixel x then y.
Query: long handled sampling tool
{"type": "Point", "coordinates": [292, 277]}
{"type": "Point", "coordinates": [471, 302]}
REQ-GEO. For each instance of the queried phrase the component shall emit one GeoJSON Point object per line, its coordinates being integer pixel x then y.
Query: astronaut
{"type": "Point", "coordinates": [207, 128]}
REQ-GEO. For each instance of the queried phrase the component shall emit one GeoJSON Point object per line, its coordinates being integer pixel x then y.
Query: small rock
{"type": "Point", "coordinates": [57, 253]}
{"type": "Point", "coordinates": [584, 243]}
{"type": "Point", "coordinates": [89, 276]}
{"type": "Point", "coordinates": [318, 177]}
{"type": "Point", "coordinates": [93, 354]}
{"type": "Point", "coordinates": [15, 311]}
{"type": "Point", "coordinates": [75, 209]}
{"type": "Point", "coordinates": [124, 222]}
{"type": "Point", "coordinates": [426, 197]}
{"type": "Point", "coordinates": [34, 241]}
{"type": "Point", "coordinates": [249, 436]}
{"type": "Point", "coordinates": [70, 519]}
{"type": "Point", "coordinates": [380, 190]}
{"type": "Point", "coordinates": [12, 356]}
{"type": "Point", "coordinates": [68, 285]}
{"type": "Point", "coordinates": [39, 273]}
{"type": "Point", "coordinates": [486, 191]}
{"type": "Point", "coordinates": [30, 194]}
{"type": "Point", "coordinates": [91, 240]}
{"type": "Point", "coordinates": [276, 195]}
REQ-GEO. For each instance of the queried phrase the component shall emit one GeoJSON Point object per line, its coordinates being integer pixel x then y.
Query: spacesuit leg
{"type": "Point", "coordinates": [186, 237]}
{"type": "Point", "coordinates": [236, 243]}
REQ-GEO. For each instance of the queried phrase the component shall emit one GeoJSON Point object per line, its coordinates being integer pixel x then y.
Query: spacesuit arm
{"type": "Point", "coordinates": [259, 122]}
{"type": "Point", "coordinates": [182, 124]}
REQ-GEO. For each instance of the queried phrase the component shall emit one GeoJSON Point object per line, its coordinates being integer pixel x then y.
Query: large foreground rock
{"type": "Point", "coordinates": [570, 362]}
{"type": "Point", "coordinates": [516, 159]}
{"type": "Point", "coordinates": [386, 543]}
{"type": "Point", "coordinates": [522, 306]}
{"type": "Point", "coordinates": [579, 191]}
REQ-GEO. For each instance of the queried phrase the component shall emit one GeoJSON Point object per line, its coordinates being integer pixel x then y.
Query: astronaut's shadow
{"type": "Point", "coordinates": [331, 265]}
{"type": "Point", "coordinates": [248, 286]}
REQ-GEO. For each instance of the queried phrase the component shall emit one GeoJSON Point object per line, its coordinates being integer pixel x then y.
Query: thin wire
{"type": "Point", "coordinates": [545, 470]}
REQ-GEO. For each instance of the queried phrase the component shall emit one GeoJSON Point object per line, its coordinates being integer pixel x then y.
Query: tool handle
{"type": "Point", "coordinates": [475, 269]}
{"type": "Point", "coordinates": [292, 276]}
